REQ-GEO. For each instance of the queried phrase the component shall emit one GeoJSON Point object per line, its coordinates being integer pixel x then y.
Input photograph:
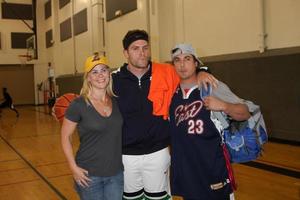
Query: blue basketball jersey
{"type": "Point", "coordinates": [198, 167]}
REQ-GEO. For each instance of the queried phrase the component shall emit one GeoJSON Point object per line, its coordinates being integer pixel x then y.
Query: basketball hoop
{"type": "Point", "coordinates": [23, 59]}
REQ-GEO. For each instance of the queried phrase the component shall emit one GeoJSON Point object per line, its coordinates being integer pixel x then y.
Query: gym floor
{"type": "Point", "coordinates": [32, 164]}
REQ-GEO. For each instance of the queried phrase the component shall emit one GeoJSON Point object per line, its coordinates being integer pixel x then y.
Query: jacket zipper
{"type": "Point", "coordinates": [140, 85]}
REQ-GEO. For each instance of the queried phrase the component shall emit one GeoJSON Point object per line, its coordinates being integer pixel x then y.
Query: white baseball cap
{"type": "Point", "coordinates": [185, 49]}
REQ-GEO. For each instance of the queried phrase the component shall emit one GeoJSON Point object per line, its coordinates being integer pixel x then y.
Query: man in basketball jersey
{"type": "Point", "coordinates": [8, 102]}
{"type": "Point", "coordinates": [198, 166]}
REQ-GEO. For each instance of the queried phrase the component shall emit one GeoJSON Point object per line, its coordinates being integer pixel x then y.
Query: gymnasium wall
{"type": "Point", "coordinates": [19, 82]}
{"type": "Point", "coordinates": [69, 84]}
{"type": "Point", "coordinates": [225, 27]}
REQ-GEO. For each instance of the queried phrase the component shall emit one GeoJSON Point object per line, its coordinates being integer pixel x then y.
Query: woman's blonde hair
{"type": "Point", "coordinates": [87, 87]}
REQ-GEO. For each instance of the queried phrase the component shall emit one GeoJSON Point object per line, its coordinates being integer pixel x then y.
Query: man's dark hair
{"type": "Point", "coordinates": [134, 35]}
{"type": "Point", "coordinates": [194, 59]}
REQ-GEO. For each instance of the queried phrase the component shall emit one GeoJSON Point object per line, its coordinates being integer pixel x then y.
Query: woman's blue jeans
{"type": "Point", "coordinates": [102, 188]}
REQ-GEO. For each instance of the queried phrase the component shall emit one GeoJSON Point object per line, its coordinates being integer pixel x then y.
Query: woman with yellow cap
{"type": "Point", "coordinates": [97, 167]}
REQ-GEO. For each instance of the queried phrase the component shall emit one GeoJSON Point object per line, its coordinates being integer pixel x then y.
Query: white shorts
{"type": "Point", "coordinates": [147, 175]}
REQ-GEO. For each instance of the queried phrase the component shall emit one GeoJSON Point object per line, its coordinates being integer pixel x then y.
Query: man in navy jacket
{"type": "Point", "coordinates": [146, 137]}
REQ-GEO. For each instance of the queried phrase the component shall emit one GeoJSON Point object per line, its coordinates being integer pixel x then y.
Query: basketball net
{"type": "Point", "coordinates": [23, 59]}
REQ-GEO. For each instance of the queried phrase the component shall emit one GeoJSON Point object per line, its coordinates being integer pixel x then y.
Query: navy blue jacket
{"type": "Point", "coordinates": [143, 133]}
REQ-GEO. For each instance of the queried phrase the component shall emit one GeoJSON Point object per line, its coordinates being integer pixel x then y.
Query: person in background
{"type": "Point", "coordinates": [144, 90]}
{"type": "Point", "coordinates": [97, 168]}
{"type": "Point", "coordinates": [199, 169]}
{"type": "Point", "coordinates": [8, 102]}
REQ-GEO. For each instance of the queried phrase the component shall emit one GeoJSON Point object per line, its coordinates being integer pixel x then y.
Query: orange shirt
{"type": "Point", "coordinates": [163, 85]}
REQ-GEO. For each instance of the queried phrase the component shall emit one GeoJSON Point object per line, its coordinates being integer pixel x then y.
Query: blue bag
{"type": "Point", "coordinates": [244, 139]}
{"type": "Point", "coordinates": [244, 143]}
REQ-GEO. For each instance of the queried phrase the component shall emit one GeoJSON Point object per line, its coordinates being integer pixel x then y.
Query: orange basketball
{"type": "Point", "coordinates": [61, 105]}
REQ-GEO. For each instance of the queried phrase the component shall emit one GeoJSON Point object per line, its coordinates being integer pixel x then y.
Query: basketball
{"type": "Point", "coordinates": [62, 104]}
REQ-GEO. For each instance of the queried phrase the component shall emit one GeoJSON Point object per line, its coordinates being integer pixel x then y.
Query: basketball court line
{"type": "Point", "coordinates": [274, 169]}
{"type": "Point", "coordinates": [35, 170]}
{"type": "Point", "coordinates": [278, 165]}
{"type": "Point", "coordinates": [283, 141]}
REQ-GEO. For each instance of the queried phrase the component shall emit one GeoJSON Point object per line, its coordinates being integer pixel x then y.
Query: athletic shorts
{"type": "Point", "coordinates": [147, 176]}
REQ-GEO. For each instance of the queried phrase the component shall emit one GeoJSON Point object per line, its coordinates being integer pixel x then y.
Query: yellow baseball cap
{"type": "Point", "coordinates": [93, 61]}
